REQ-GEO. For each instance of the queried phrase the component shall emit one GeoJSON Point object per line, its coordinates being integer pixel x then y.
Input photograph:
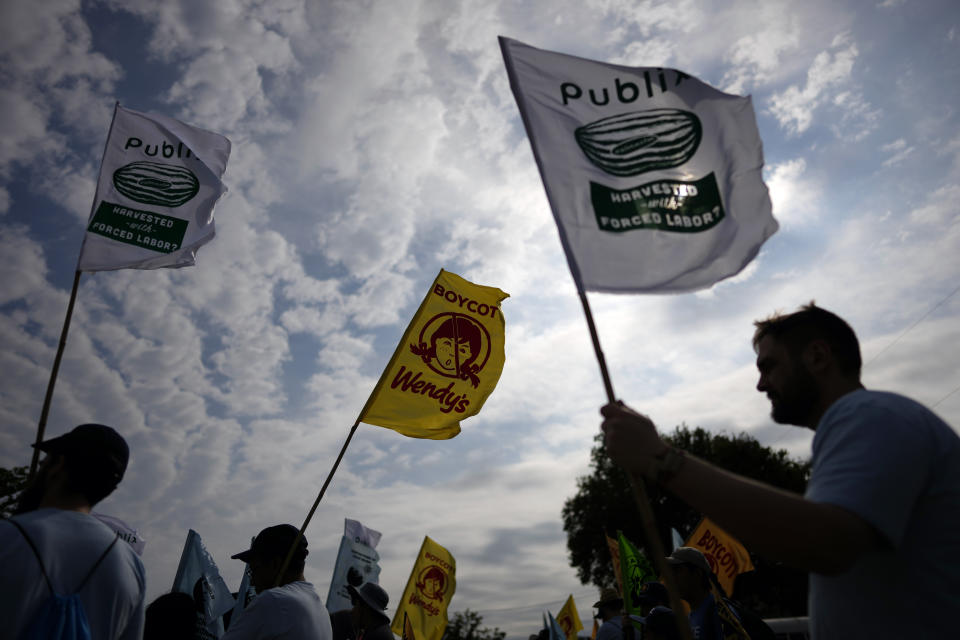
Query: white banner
{"type": "Point", "coordinates": [159, 181]}
{"type": "Point", "coordinates": [654, 177]}
{"type": "Point", "coordinates": [356, 554]}
{"type": "Point", "coordinates": [198, 576]}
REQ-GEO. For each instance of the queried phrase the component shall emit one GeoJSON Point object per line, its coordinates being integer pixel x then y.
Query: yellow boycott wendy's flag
{"type": "Point", "coordinates": [446, 365]}
{"type": "Point", "coordinates": [428, 593]}
{"type": "Point", "coordinates": [569, 619]}
{"type": "Point", "coordinates": [727, 557]}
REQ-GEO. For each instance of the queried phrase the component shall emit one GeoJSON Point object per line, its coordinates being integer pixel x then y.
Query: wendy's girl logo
{"type": "Point", "coordinates": [454, 345]}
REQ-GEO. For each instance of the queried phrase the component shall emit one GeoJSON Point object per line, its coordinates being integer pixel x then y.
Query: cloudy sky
{"type": "Point", "coordinates": [373, 144]}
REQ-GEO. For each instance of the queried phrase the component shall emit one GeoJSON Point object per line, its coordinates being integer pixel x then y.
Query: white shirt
{"type": "Point", "coordinates": [291, 612]}
{"type": "Point", "coordinates": [69, 544]}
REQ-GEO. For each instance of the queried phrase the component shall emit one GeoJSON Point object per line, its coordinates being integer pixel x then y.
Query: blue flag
{"type": "Point", "coordinates": [198, 576]}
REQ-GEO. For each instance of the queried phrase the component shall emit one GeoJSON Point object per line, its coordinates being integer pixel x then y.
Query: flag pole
{"type": "Point", "coordinates": [41, 427]}
{"type": "Point", "coordinates": [647, 520]}
{"type": "Point", "coordinates": [323, 489]}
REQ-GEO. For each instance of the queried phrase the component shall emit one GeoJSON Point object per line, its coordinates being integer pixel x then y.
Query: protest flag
{"type": "Point", "coordinates": [153, 206]}
{"type": "Point", "coordinates": [636, 570]}
{"type": "Point", "coordinates": [654, 177]}
{"type": "Point", "coordinates": [198, 576]}
{"type": "Point", "coordinates": [447, 363]}
{"type": "Point", "coordinates": [428, 593]}
{"type": "Point", "coordinates": [159, 181]}
{"type": "Point", "coordinates": [569, 619]}
{"type": "Point", "coordinates": [727, 557]}
{"type": "Point", "coordinates": [654, 180]}
{"type": "Point", "coordinates": [245, 594]}
{"type": "Point", "coordinates": [356, 555]}
{"type": "Point", "coordinates": [556, 631]}
{"type": "Point", "coordinates": [408, 633]}
{"type": "Point", "coordinates": [613, 546]}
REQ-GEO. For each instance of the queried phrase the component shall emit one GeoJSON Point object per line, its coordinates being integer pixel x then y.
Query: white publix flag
{"type": "Point", "coordinates": [357, 553]}
{"type": "Point", "coordinates": [654, 177]}
{"type": "Point", "coordinates": [159, 180]}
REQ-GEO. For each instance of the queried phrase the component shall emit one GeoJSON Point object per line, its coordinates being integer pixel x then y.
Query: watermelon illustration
{"type": "Point", "coordinates": [632, 143]}
{"type": "Point", "coordinates": [156, 183]}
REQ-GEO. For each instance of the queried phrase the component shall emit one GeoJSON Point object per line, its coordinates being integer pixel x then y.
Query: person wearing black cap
{"type": "Point", "coordinates": [659, 624]}
{"type": "Point", "coordinates": [53, 544]}
{"type": "Point", "coordinates": [369, 604]}
{"type": "Point", "coordinates": [290, 611]}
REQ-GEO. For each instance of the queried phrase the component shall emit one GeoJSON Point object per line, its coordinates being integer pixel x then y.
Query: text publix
{"type": "Point", "coordinates": [625, 92]}
{"type": "Point", "coordinates": [164, 150]}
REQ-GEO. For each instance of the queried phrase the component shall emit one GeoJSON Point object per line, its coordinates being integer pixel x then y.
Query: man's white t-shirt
{"type": "Point", "coordinates": [291, 612]}
{"type": "Point", "coordinates": [69, 544]}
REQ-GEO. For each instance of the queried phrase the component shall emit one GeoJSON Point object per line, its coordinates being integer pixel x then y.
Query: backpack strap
{"type": "Point", "coordinates": [36, 553]}
{"type": "Point", "coordinates": [97, 563]}
{"type": "Point", "coordinates": [40, 561]}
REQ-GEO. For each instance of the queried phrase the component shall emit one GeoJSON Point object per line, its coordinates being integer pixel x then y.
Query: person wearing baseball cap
{"type": "Point", "coordinates": [53, 545]}
{"type": "Point", "coordinates": [292, 610]}
{"type": "Point", "coordinates": [652, 594]}
{"type": "Point", "coordinates": [692, 573]}
{"type": "Point", "coordinates": [659, 624]}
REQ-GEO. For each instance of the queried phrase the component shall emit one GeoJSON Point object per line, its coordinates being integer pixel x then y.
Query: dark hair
{"type": "Point", "coordinates": [798, 329]}
{"type": "Point", "coordinates": [172, 615]}
{"type": "Point", "coordinates": [89, 477]}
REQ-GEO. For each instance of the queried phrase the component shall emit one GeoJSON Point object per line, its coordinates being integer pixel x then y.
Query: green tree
{"type": "Point", "coordinates": [465, 625]}
{"type": "Point", "coordinates": [12, 482]}
{"type": "Point", "coordinates": [604, 503]}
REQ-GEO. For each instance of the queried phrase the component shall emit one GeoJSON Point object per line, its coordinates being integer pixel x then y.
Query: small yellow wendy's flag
{"type": "Point", "coordinates": [727, 557]}
{"type": "Point", "coordinates": [569, 619]}
{"type": "Point", "coordinates": [447, 363]}
{"type": "Point", "coordinates": [408, 633]}
{"type": "Point", "coordinates": [428, 593]}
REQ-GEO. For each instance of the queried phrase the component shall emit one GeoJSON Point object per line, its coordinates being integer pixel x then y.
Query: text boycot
{"type": "Point", "coordinates": [473, 306]}
{"type": "Point", "coordinates": [726, 560]}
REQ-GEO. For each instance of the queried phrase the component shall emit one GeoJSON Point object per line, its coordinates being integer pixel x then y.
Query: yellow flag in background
{"type": "Point", "coordinates": [408, 633]}
{"type": "Point", "coordinates": [727, 557]}
{"type": "Point", "coordinates": [613, 545]}
{"type": "Point", "coordinates": [428, 593]}
{"type": "Point", "coordinates": [446, 365]}
{"type": "Point", "coordinates": [569, 619]}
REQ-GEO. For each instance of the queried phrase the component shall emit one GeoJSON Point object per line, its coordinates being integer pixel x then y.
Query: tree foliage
{"type": "Point", "coordinates": [12, 482]}
{"type": "Point", "coordinates": [604, 503]}
{"type": "Point", "coordinates": [466, 625]}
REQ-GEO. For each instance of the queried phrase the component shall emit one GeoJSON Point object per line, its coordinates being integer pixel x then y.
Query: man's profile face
{"type": "Point", "coordinates": [263, 572]}
{"type": "Point", "coordinates": [792, 390]}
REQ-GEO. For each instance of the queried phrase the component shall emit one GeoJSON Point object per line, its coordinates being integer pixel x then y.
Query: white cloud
{"type": "Point", "coordinates": [795, 196]}
{"type": "Point", "coordinates": [830, 70]}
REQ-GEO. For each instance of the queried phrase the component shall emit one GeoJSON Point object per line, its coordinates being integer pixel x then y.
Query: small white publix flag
{"type": "Point", "coordinates": [654, 177]}
{"type": "Point", "coordinates": [159, 181]}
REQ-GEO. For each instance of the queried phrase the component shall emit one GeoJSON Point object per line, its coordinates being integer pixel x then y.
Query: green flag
{"type": "Point", "coordinates": [636, 570]}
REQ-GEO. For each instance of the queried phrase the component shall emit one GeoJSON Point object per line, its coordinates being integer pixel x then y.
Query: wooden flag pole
{"type": "Point", "coordinates": [323, 489]}
{"type": "Point", "coordinates": [647, 519]}
{"type": "Point", "coordinates": [41, 427]}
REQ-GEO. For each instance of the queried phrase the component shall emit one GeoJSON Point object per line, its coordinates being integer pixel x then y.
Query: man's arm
{"type": "Point", "coordinates": [778, 524]}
